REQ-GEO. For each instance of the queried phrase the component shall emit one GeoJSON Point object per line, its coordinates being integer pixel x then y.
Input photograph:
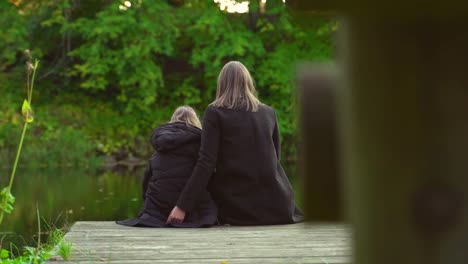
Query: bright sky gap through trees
{"type": "Point", "coordinates": [230, 6]}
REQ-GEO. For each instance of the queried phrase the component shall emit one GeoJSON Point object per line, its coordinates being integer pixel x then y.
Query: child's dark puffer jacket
{"type": "Point", "coordinates": [176, 148]}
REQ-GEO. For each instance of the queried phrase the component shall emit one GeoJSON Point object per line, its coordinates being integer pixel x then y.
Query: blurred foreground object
{"type": "Point", "coordinates": [319, 161]}
{"type": "Point", "coordinates": [403, 107]}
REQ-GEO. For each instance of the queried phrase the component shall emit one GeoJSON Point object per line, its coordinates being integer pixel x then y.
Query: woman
{"type": "Point", "coordinates": [241, 141]}
{"type": "Point", "coordinates": [176, 147]}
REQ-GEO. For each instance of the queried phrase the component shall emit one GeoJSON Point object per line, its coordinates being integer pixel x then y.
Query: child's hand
{"type": "Point", "coordinates": [177, 216]}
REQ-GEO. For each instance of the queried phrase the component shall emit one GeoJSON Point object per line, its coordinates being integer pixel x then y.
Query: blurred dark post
{"type": "Point", "coordinates": [403, 122]}
{"type": "Point", "coordinates": [318, 148]}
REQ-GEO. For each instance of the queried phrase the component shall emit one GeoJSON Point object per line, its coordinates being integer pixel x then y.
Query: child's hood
{"type": "Point", "coordinates": [174, 135]}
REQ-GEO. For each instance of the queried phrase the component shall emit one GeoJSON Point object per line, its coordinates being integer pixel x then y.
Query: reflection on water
{"type": "Point", "coordinates": [68, 195]}
{"type": "Point", "coordinates": [73, 194]}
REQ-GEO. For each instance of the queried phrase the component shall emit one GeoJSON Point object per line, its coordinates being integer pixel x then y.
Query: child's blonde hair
{"type": "Point", "coordinates": [187, 115]}
{"type": "Point", "coordinates": [236, 88]}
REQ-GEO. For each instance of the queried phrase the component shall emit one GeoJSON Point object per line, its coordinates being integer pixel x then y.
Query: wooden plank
{"type": "Point", "coordinates": [108, 242]}
{"type": "Point", "coordinates": [230, 261]}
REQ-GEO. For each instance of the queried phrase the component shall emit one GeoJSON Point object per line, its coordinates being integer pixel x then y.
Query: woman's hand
{"type": "Point", "coordinates": [177, 216]}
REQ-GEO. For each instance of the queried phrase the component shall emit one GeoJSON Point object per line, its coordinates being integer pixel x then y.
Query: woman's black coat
{"type": "Point", "coordinates": [250, 187]}
{"type": "Point", "coordinates": [176, 148]}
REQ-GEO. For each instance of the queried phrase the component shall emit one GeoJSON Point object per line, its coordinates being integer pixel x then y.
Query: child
{"type": "Point", "coordinates": [176, 146]}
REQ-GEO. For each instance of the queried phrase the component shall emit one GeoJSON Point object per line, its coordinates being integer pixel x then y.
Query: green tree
{"type": "Point", "coordinates": [112, 72]}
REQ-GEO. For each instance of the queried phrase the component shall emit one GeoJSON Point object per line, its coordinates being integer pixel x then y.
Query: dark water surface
{"type": "Point", "coordinates": [66, 195]}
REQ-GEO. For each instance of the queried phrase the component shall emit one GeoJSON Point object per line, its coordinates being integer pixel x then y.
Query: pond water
{"type": "Point", "coordinates": [66, 195]}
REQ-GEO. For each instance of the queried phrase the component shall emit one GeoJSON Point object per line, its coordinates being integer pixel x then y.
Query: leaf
{"type": "Point", "coordinates": [7, 201]}
{"type": "Point", "coordinates": [25, 108]}
{"type": "Point", "coordinates": [11, 198]}
{"type": "Point", "coordinates": [44, 254]}
{"type": "Point", "coordinates": [4, 254]}
{"type": "Point", "coordinates": [29, 251]}
{"type": "Point", "coordinates": [27, 112]}
{"type": "Point", "coordinates": [9, 208]}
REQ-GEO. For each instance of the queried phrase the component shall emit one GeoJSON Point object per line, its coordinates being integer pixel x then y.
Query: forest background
{"type": "Point", "coordinates": [111, 71]}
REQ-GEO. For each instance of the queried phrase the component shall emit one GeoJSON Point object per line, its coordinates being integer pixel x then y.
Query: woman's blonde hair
{"type": "Point", "coordinates": [187, 115]}
{"type": "Point", "coordinates": [236, 88]}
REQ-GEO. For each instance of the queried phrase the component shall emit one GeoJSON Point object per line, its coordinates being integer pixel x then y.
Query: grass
{"type": "Point", "coordinates": [65, 249]}
{"type": "Point", "coordinates": [55, 246]}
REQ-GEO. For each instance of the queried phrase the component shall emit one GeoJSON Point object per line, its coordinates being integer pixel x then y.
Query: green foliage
{"type": "Point", "coordinates": [121, 49]}
{"type": "Point", "coordinates": [7, 201]}
{"type": "Point", "coordinates": [53, 145]}
{"type": "Point", "coordinates": [35, 255]}
{"type": "Point", "coordinates": [4, 254]}
{"type": "Point", "coordinates": [55, 246]}
{"type": "Point", "coordinates": [65, 249]}
{"type": "Point", "coordinates": [26, 110]}
{"type": "Point", "coordinates": [110, 74]}
{"type": "Point", "coordinates": [13, 39]}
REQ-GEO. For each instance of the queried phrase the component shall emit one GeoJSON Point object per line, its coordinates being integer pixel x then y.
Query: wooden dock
{"type": "Point", "coordinates": [107, 242]}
